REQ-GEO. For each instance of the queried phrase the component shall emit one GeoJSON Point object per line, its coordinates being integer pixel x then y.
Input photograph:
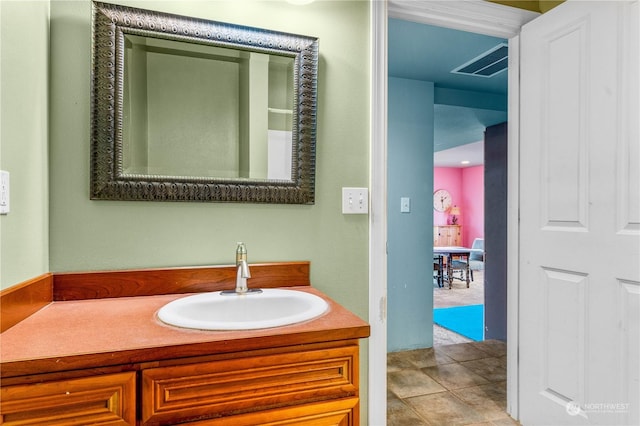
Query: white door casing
{"type": "Point", "coordinates": [579, 339]}
{"type": "Point", "coordinates": [377, 344]}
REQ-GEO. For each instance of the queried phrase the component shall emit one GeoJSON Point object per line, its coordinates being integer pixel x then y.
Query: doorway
{"type": "Point", "coordinates": [435, 106]}
{"type": "Point", "coordinates": [483, 21]}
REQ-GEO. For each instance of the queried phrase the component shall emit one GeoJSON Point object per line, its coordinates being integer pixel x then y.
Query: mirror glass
{"type": "Point", "coordinates": [185, 109]}
{"type": "Point", "coordinates": [191, 109]}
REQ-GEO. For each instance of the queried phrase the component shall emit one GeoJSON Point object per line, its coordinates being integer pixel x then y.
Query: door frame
{"type": "Point", "coordinates": [477, 16]}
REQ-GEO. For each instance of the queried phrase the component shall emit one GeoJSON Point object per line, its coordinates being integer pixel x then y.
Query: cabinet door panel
{"type": "Point", "coordinates": [250, 384]}
{"type": "Point", "coordinates": [341, 412]}
{"type": "Point", "coordinates": [447, 235]}
{"type": "Point", "coordinates": [105, 400]}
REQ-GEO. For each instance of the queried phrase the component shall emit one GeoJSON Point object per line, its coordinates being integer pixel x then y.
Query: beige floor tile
{"type": "Point", "coordinates": [454, 376]}
{"type": "Point", "coordinates": [417, 358]}
{"type": "Point", "coordinates": [492, 347]}
{"type": "Point", "coordinates": [444, 409]}
{"type": "Point", "coordinates": [507, 421]}
{"type": "Point", "coordinates": [401, 414]}
{"type": "Point", "coordinates": [492, 369]}
{"type": "Point", "coordinates": [462, 351]}
{"type": "Point", "coordinates": [408, 383]}
{"type": "Point", "coordinates": [489, 400]}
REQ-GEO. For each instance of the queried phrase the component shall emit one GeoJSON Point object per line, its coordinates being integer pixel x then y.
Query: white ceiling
{"type": "Point", "coordinates": [452, 157]}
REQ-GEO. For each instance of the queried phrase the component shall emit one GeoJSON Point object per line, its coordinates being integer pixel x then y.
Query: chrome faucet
{"type": "Point", "coordinates": [242, 273]}
{"type": "Point", "coordinates": [242, 269]}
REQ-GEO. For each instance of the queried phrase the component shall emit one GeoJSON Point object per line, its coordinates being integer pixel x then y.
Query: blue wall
{"type": "Point", "coordinates": [410, 235]}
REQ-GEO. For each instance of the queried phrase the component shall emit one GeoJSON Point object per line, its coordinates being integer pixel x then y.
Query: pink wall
{"type": "Point", "coordinates": [473, 201]}
{"type": "Point", "coordinates": [449, 178]}
{"type": "Point", "coordinates": [466, 186]}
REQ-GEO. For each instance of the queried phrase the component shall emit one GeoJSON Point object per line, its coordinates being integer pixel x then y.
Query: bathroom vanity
{"type": "Point", "coordinates": [96, 353]}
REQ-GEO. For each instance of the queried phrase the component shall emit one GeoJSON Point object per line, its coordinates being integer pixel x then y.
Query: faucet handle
{"type": "Point", "coordinates": [241, 253]}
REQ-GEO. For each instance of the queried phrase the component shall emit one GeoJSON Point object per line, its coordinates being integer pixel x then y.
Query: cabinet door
{"type": "Point", "coordinates": [340, 412]}
{"type": "Point", "coordinates": [441, 236]}
{"type": "Point", "coordinates": [106, 400]}
{"type": "Point", "coordinates": [456, 235]}
{"type": "Point", "coordinates": [448, 236]}
{"type": "Point", "coordinates": [259, 387]}
{"type": "Point", "coordinates": [436, 237]}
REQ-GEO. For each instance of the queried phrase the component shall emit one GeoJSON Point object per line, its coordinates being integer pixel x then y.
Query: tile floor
{"type": "Point", "coordinates": [457, 382]}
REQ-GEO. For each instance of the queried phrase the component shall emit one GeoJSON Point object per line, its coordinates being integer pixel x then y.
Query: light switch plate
{"type": "Point", "coordinates": [355, 200]}
{"type": "Point", "coordinates": [405, 205]}
{"type": "Point", "coordinates": [4, 192]}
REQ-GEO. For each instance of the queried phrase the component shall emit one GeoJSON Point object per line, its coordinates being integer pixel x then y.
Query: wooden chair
{"type": "Point", "coordinates": [476, 260]}
{"type": "Point", "coordinates": [438, 266]}
{"type": "Point", "coordinates": [459, 265]}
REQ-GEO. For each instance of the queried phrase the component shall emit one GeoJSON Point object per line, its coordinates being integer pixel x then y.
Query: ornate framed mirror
{"type": "Point", "coordinates": [187, 109]}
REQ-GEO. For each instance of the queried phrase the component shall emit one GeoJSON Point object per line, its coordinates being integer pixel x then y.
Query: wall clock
{"type": "Point", "coordinates": [441, 200]}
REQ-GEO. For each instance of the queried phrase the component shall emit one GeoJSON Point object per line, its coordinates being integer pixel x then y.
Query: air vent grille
{"type": "Point", "coordinates": [487, 64]}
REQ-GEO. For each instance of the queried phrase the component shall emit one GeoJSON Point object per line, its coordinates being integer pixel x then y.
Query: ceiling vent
{"type": "Point", "coordinates": [488, 64]}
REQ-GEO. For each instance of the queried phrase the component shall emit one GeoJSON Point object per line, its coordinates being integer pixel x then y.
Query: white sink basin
{"type": "Point", "coordinates": [271, 308]}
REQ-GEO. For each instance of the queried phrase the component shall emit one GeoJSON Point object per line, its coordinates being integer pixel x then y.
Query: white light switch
{"type": "Point", "coordinates": [4, 192]}
{"type": "Point", "coordinates": [355, 200]}
{"type": "Point", "coordinates": [405, 205]}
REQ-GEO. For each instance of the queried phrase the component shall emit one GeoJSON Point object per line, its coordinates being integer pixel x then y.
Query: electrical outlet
{"type": "Point", "coordinates": [355, 200]}
{"type": "Point", "coordinates": [4, 192]}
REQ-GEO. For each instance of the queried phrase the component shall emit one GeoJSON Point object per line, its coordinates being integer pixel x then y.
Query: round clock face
{"type": "Point", "coordinates": [441, 200]}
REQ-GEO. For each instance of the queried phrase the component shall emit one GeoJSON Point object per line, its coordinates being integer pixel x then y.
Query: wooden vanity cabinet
{"type": "Point", "coordinates": [108, 399]}
{"type": "Point", "coordinates": [303, 385]}
{"type": "Point", "coordinates": [318, 386]}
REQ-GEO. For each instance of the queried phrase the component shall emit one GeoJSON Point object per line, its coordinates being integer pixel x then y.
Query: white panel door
{"type": "Point", "coordinates": [580, 216]}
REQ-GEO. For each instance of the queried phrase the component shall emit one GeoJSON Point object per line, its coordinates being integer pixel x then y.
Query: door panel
{"type": "Point", "coordinates": [579, 226]}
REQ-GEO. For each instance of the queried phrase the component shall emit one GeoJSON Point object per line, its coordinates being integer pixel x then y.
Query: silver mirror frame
{"type": "Point", "coordinates": [108, 182]}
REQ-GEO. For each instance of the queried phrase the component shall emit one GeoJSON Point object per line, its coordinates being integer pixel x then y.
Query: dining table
{"type": "Point", "coordinates": [451, 252]}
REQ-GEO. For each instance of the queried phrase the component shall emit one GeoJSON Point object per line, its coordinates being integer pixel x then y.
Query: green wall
{"type": "Point", "coordinates": [24, 59]}
{"type": "Point", "coordinates": [94, 235]}
{"type": "Point", "coordinates": [53, 226]}
{"type": "Point", "coordinates": [89, 234]}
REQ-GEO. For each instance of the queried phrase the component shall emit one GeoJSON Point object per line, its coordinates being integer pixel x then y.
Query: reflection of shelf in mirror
{"type": "Point", "coordinates": [280, 111]}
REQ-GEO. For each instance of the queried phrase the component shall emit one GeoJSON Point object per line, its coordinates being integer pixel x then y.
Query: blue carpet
{"type": "Point", "coordinates": [465, 320]}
